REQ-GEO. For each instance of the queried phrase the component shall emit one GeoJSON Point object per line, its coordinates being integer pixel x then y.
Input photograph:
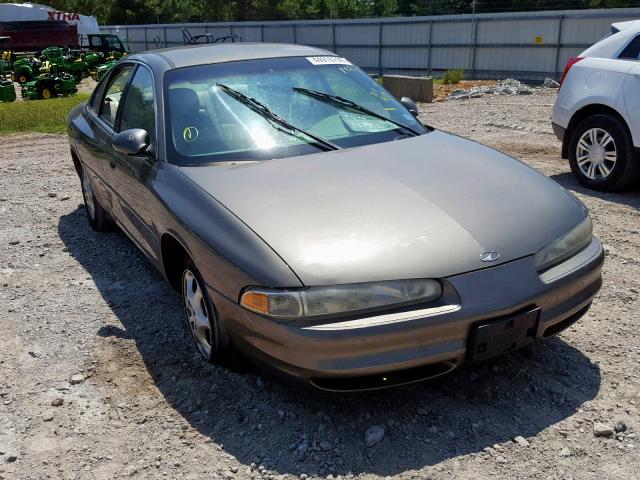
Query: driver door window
{"type": "Point", "coordinates": [115, 89]}
{"type": "Point", "coordinates": [138, 109]}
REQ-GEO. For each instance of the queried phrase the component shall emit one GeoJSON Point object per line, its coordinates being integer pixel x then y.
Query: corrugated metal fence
{"type": "Point", "coordinates": [529, 46]}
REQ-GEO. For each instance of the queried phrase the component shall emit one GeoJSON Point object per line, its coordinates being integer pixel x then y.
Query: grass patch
{"type": "Point", "coordinates": [38, 116]}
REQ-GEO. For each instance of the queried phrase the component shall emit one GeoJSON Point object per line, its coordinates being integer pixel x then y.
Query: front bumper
{"type": "Point", "coordinates": [403, 347]}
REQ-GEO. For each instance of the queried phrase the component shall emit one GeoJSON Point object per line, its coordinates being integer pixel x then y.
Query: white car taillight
{"type": "Point", "coordinates": [570, 63]}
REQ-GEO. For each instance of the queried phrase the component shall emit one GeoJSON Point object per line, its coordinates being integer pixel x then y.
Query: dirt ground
{"type": "Point", "coordinates": [99, 379]}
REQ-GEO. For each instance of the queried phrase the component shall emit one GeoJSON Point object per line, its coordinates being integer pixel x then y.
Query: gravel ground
{"type": "Point", "coordinates": [99, 379]}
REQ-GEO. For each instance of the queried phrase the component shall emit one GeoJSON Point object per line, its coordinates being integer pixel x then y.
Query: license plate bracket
{"type": "Point", "coordinates": [497, 337]}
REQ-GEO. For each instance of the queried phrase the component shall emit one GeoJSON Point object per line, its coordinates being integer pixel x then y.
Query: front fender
{"type": "Point", "coordinates": [229, 255]}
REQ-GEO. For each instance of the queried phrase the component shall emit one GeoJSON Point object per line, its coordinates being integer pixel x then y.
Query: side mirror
{"type": "Point", "coordinates": [410, 105]}
{"type": "Point", "coordinates": [131, 142]}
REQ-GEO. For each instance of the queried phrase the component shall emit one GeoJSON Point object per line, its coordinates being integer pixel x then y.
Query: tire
{"type": "Point", "coordinates": [98, 217]}
{"type": "Point", "coordinates": [601, 153]}
{"type": "Point", "coordinates": [202, 321]}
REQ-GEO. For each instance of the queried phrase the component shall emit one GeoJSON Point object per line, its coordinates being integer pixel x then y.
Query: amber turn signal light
{"type": "Point", "coordinates": [256, 301]}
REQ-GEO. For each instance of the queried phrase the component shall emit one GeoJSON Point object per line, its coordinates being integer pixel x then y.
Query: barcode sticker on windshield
{"type": "Point", "coordinates": [328, 61]}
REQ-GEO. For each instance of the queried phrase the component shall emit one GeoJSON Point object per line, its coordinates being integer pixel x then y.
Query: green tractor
{"type": "Point", "coordinates": [6, 55]}
{"type": "Point", "coordinates": [65, 61]}
{"type": "Point", "coordinates": [7, 90]}
{"type": "Point", "coordinates": [22, 67]}
{"type": "Point", "coordinates": [92, 59]}
{"type": "Point", "coordinates": [47, 86]}
{"type": "Point", "coordinates": [100, 71]}
{"type": "Point", "coordinates": [25, 69]}
{"type": "Point", "coordinates": [105, 50]}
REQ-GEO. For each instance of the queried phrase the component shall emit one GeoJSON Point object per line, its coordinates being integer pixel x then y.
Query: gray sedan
{"type": "Point", "coordinates": [311, 223]}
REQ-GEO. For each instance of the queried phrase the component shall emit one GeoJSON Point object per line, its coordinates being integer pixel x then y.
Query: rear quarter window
{"type": "Point", "coordinates": [631, 51]}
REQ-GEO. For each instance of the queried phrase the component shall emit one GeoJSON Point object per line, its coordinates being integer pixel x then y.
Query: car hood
{"type": "Point", "coordinates": [420, 207]}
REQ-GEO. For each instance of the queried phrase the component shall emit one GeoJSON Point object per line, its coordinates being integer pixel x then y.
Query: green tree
{"type": "Point", "coordinates": [182, 11]}
{"type": "Point", "coordinates": [441, 7]}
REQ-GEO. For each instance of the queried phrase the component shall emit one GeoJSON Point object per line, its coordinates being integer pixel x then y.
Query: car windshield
{"type": "Point", "coordinates": [206, 123]}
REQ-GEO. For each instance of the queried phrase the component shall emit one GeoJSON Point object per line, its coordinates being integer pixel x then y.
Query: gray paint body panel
{"type": "Point", "coordinates": [426, 206]}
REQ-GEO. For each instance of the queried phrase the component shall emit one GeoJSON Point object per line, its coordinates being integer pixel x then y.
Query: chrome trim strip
{"type": "Point", "coordinates": [386, 319]}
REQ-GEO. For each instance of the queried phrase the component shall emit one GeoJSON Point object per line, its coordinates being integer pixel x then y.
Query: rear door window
{"type": "Point", "coordinates": [632, 51]}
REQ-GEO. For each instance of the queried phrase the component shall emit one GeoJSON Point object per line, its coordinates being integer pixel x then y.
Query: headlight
{"type": "Point", "coordinates": [567, 245]}
{"type": "Point", "coordinates": [334, 299]}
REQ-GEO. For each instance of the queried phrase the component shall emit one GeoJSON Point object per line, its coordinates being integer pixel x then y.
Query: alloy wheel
{"type": "Point", "coordinates": [197, 313]}
{"type": "Point", "coordinates": [596, 154]}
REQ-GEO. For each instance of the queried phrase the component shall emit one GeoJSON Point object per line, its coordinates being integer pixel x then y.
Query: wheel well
{"type": "Point", "coordinates": [173, 255]}
{"type": "Point", "coordinates": [583, 113]}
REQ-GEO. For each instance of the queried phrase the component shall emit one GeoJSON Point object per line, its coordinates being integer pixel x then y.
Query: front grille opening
{"type": "Point", "coordinates": [566, 323]}
{"type": "Point", "coordinates": [385, 380]}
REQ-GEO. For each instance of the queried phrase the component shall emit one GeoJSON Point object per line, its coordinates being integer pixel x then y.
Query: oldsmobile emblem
{"type": "Point", "coordinates": [491, 256]}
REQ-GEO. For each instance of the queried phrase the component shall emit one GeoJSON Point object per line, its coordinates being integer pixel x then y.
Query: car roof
{"type": "Point", "coordinates": [191, 55]}
{"type": "Point", "coordinates": [634, 25]}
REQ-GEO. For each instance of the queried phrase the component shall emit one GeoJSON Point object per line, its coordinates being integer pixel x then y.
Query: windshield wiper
{"type": "Point", "coordinates": [343, 102]}
{"type": "Point", "coordinates": [263, 110]}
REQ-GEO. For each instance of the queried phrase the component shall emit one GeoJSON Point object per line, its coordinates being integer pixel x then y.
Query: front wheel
{"type": "Point", "coordinates": [207, 334]}
{"type": "Point", "coordinates": [199, 313]}
{"type": "Point", "coordinates": [601, 153]}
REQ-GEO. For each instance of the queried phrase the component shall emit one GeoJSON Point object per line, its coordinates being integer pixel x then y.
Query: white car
{"type": "Point", "coordinates": [597, 112]}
